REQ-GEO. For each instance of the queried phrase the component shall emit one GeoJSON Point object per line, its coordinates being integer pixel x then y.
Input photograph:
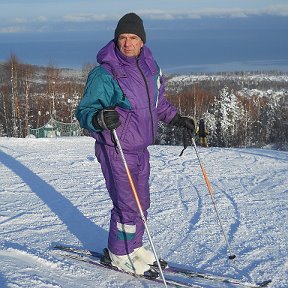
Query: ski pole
{"type": "Point", "coordinates": [231, 256]}
{"type": "Point", "coordinates": [138, 204]}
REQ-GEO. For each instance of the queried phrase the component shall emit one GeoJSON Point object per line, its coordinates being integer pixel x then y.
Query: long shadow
{"type": "Point", "coordinates": [89, 234]}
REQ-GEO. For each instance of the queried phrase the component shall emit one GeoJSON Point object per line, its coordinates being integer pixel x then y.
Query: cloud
{"type": "Point", "coordinates": [20, 20]}
{"type": "Point", "coordinates": [12, 29]}
{"type": "Point", "coordinates": [22, 24]}
{"type": "Point", "coordinates": [158, 15]}
{"type": "Point", "coordinates": [23, 20]}
{"type": "Point", "coordinates": [274, 10]}
{"type": "Point", "coordinates": [277, 10]}
{"type": "Point", "coordinates": [40, 19]}
{"type": "Point", "coordinates": [86, 17]}
{"type": "Point", "coordinates": [77, 21]}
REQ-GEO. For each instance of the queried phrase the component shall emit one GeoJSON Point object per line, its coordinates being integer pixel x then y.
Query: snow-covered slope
{"type": "Point", "coordinates": [52, 191]}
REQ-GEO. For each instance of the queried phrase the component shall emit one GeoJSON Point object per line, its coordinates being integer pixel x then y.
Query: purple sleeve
{"type": "Point", "coordinates": [166, 111]}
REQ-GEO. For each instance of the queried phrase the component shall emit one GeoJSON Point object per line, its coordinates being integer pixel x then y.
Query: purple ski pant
{"type": "Point", "coordinates": [126, 226]}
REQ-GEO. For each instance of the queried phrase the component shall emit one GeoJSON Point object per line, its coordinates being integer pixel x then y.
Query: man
{"type": "Point", "coordinates": [202, 133]}
{"type": "Point", "coordinates": [126, 93]}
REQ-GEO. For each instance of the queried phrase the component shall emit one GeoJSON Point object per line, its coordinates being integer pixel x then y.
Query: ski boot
{"type": "Point", "coordinates": [148, 257]}
{"type": "Point", "coordinates": [130, 263]}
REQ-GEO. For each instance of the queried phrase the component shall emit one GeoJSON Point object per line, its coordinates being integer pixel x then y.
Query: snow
{"type": "Point", "coordinates": [52, 191]}
{"type": "Point", "coordinates": [240, 77]}
{"type": "Point", "coordinates": [245, 80]}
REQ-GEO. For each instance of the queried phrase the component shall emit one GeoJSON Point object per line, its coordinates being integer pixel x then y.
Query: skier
{"type": "Point", "coordinates": [202, 133]}
{"type": "Point", "coordinates": [126, 92]}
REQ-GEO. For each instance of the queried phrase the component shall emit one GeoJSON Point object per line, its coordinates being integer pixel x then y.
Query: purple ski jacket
{"type": "Point", "coordinates": [134, 86]}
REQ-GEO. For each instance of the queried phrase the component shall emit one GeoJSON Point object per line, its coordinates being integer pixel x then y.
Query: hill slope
{"type": "Point", "coordinates": [52, 191]}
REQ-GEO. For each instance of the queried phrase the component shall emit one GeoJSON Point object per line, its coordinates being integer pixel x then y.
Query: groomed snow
{"type": "Point", "coordinates": [52, 191]}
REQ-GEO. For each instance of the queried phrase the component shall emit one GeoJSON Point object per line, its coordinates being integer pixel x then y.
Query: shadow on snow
{"type": "Point", "coordinates": [89, 234]}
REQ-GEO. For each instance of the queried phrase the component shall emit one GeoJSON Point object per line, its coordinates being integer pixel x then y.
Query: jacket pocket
{"type": "Point", "coordinates": [125, 125]}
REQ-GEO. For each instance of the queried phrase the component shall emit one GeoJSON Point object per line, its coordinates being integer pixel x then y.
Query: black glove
{"type": "Point", "coordinates": [183, 121]}
{"type": "Point", "coordinates": [107, 118]}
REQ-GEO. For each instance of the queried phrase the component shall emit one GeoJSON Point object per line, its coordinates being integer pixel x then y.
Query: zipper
{"type": "Point", "coordinates": [149, 100]}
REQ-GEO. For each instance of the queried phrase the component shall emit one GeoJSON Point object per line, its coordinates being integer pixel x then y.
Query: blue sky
{"type": "Point", "coordinates": [181, 33]}
{"type": "Point", "coordinates": [48, 16]}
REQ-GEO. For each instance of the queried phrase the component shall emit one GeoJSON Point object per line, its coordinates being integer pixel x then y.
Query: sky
{"type": "Point", "coordinates": [55, 15]}
{"type": "Point", "coordinates": [195, 34]}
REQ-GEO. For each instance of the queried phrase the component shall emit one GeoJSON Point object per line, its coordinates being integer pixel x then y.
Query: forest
{"type": "Point", "coordinates": [240, 109]}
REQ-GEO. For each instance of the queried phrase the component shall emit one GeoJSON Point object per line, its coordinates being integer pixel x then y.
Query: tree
{"type": "Point", "coordinates": [228, 112]}
{"type": "Point", "coordinates": [52, 78]}
{"type": "Point", "coordinates": [273, 115]}
{"type": "Point", "coordinates": [28, 73]}
{"type": "Point", "coordinates": [10, 97]}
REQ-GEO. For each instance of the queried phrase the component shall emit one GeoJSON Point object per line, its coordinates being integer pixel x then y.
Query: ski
{"type": "Point", "coordinates": [191, 273]}
{"type": "Point", "coordinates": [92, 257]}
{"type": "Point", "coordinates": [173, 269]}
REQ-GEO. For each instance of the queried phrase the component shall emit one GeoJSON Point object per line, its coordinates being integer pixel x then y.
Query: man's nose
{"type": "Point", "coordinates": [127, 42]}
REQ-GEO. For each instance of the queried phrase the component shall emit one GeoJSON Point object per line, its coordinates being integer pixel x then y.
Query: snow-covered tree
{"type": "Point", "coordinates": [228, 112]}
{"type": "Point", "coordinates": [273, 116]}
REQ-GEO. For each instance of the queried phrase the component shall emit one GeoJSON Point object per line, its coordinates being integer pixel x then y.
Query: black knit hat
{"type": "Point", "coordinates": [130, 23]}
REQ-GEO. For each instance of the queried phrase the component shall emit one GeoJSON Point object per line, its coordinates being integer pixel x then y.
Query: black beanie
{"type": "Point", "coordinates": [130, 23]}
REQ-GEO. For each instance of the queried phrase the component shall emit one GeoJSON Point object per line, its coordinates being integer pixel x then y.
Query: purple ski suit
{"type": "Point", "coordinates": [135, 87]}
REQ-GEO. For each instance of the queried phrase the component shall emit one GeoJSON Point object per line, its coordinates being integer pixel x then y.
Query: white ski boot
{"type": "Point", "coordinates": [145, 255]}
{"type": "Point", "coordinates": [148, 257]}
{"type": "Point", "coordinates": [133, 264]}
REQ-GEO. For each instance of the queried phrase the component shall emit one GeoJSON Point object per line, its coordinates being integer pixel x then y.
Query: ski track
{"type": "Point", "coordinates": [53, 192]}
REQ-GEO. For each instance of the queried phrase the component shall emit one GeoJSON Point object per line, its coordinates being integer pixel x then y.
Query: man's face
{"type": "Point", "coordinates": [130, 44]}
